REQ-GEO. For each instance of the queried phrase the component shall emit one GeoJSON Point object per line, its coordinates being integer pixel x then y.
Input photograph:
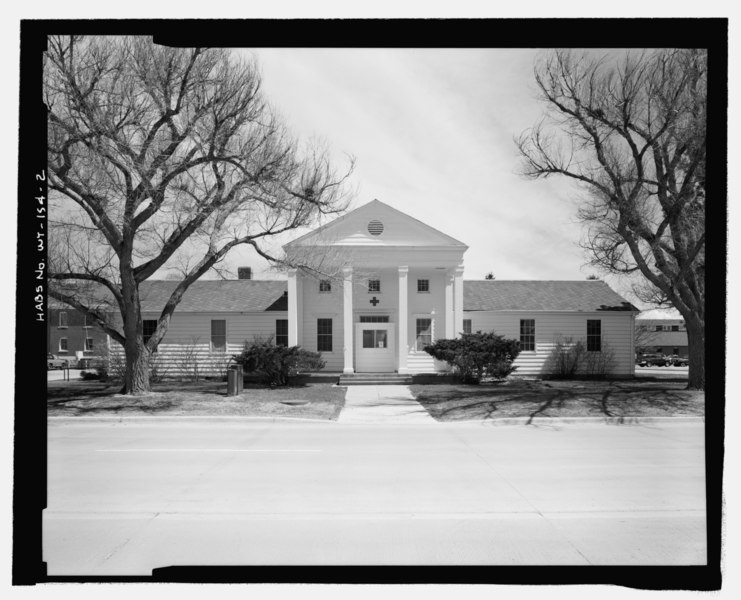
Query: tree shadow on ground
{"type": "Point", "coordinates": [119, 408]}
{"type": "Point", "coordinates": [60, 394]}
{"type": "Point", "coordinates": [607, 399]}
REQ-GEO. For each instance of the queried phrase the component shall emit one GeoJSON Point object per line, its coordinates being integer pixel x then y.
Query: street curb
{"type": "Point", "coordinates": [511, 421]}
{"type": "Point", "coordinates": [580, 421]}
{"type": "Point", "coordinates": [217, 418]}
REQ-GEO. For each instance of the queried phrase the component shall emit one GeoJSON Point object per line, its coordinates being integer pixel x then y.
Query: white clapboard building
{"type": "Point", "coordinates": [380, 286]}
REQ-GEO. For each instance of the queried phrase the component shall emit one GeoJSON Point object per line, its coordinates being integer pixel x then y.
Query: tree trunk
{"type": "Point", "coordinates": [136, 376]}
{"type": "Point", "coordinates": [696, 344]}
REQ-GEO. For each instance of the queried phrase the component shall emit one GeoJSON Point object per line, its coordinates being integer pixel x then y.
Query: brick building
{"type": "Point", "coordinates": [71, 334]}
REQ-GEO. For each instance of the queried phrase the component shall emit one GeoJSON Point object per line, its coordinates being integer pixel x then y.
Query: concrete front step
{"type": "Point", "coordinates": [375, 379]}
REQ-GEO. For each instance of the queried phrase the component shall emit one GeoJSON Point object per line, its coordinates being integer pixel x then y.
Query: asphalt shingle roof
{"type": "Point", "coordinates": [250, 295]}
{"type": "Point", "coordinates": [578, 296]}
{"type": "Point", "coordinates": [235, 295]}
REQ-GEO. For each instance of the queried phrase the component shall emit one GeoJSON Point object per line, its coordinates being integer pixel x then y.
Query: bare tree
{"type": "Point", "coordinates": [632, 132]}
{"type": "Point", "coordinates": [164, 158]}
{"type": "Point", "coordinates": [644, 337]}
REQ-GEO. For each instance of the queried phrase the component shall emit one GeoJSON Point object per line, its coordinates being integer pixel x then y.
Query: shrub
{"type": "Point", "coordinates": [477, 355]}
{"type": "Point", "coordinates": [114, 365]}
{"type": "Point", "coordinates": [186, 360]}
{"type": "Point", "coordinates": [565, 358]}
{"type": "Point", "coordinates": [569, 359]}
{"type": "Point", "coordinates": [599, 365]}
{"type": "Point", "coordinates": [276, 364]}
{"type": "Point", "coordinates": [157, 368]}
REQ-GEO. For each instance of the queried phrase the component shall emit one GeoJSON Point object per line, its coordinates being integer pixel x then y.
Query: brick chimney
{"type": "Point", "coordinates": [244, 272]}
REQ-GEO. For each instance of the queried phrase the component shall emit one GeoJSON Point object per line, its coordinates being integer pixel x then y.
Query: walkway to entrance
{"type": "Point", "coordinates": [382, 404]}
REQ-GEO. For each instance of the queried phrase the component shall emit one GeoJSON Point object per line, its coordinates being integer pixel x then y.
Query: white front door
{"type": "Point", "coordinates": [374, 347]}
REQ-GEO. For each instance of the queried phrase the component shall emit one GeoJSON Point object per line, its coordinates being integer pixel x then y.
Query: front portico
{"type": "Point", "coordinates": [393, 285]}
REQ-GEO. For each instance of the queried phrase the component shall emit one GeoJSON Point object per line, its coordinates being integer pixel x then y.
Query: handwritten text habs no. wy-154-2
{"type": "Point", "coordinates": [40, 247]}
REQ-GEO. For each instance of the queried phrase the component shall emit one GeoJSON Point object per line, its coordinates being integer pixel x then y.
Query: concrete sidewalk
{"type": "Point", "coordinates": [382, 404]}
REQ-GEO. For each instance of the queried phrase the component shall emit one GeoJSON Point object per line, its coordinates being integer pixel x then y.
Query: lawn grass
{"type": "Point", "coordinates": [559, 399]}
{"type": "Point", "coordinates": [319, 401]}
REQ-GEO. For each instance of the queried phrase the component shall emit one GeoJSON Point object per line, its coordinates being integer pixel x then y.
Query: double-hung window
{"type": "Point", "coordinates": [374, 286]}
{"type": "Point", "coordinates": [63, 344]}
{"type": "Point", "coordinates": [466, 325]}
{"type": "Point", "coordinates": [281, 332]}
{"type": "Point", "coordinates": [63, 318]}
{"type": "Point", "coordinates": [325, 286]}
{"type": "Point", "coordinates": [89, 344]}
{"type": "Point", "coordinates": [424, 333]}
{"type": "Point", "coordinates": [149, 326]}
{"type": "Point", "coordinates": [527, 335]}
{"type": "Point", "coordinates": [218, 335]}
{"type": "Point", "coordinates": [324, 335]}
{"type": "Point", "coordinates": [423, 286]}
{"type": "Point", "coordinates": [594, 335]}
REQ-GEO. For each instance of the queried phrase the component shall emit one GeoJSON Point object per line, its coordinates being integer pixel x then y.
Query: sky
{"type": "Point", "coordinates": [432, 132]}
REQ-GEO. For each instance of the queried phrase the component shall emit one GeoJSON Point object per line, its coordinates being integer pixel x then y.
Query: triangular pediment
{"type": "Point", "coordinates": [377, 225]}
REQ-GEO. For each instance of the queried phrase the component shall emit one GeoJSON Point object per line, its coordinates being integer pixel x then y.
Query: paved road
{"type": "Point", "coordinates": [129, 496]}
{"type": "Point", "coordinates": [662, 372]}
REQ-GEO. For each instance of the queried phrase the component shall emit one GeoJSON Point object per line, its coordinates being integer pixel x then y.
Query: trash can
{"type": "Point", "coordinates": [234, 380]}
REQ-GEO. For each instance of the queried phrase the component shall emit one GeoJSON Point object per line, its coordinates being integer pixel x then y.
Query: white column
{"type": "Point", "coordinates": [300, 310]}
{"type": "Point", "coordinates": [449, 312]}
{"type": "Point", "coordinates": [293, 307]}
{"type": "Point", "coordinates": [403, 321]}
{"type": "Point", "coordinates": [347, 320]}
{"type": "Point", "coordinates": [458, 301]}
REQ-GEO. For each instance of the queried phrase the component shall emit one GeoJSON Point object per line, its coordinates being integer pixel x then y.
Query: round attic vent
{"type": "Point", "coordinates": [375, 227]}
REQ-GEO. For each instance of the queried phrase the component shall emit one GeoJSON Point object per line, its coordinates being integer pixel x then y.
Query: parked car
{"type": "Point", "coordinates": [679, 361]}
{"type": "Point", "coordinates": [57, 362]}
{"type": "Point", "coordinates": [651, 360]}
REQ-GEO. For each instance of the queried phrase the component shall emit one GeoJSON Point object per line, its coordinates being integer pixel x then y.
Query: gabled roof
{"type": "Point", "coordinates": [575, 296]}
{"type": "Point", "coordinates": [660, 314]}
{"type": "Point", "coordinates": [250, 295]}
{"type": "Point", "coordinates": [236, 295]}
{"type": "Point", "coordinates": [398, 229]}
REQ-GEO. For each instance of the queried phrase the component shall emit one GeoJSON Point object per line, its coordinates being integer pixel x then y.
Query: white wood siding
{"type": "Point", "coordinates": [617, 335]}
{"type": "Point", "coordinates": [188, 341]}
{"type": "Point", "coordinates": [324, 305]}
{"type": "Point", "coordinates": [426, 305]}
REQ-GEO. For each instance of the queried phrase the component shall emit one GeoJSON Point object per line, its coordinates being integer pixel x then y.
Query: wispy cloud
{"type": "Point", "coordinates": [432, 131]}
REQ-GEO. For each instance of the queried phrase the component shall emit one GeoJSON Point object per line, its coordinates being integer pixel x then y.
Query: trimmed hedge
{"type": "Point", "coordinates": [276, 364]}
{"type": "Point", "coordinates": [476, 356]}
